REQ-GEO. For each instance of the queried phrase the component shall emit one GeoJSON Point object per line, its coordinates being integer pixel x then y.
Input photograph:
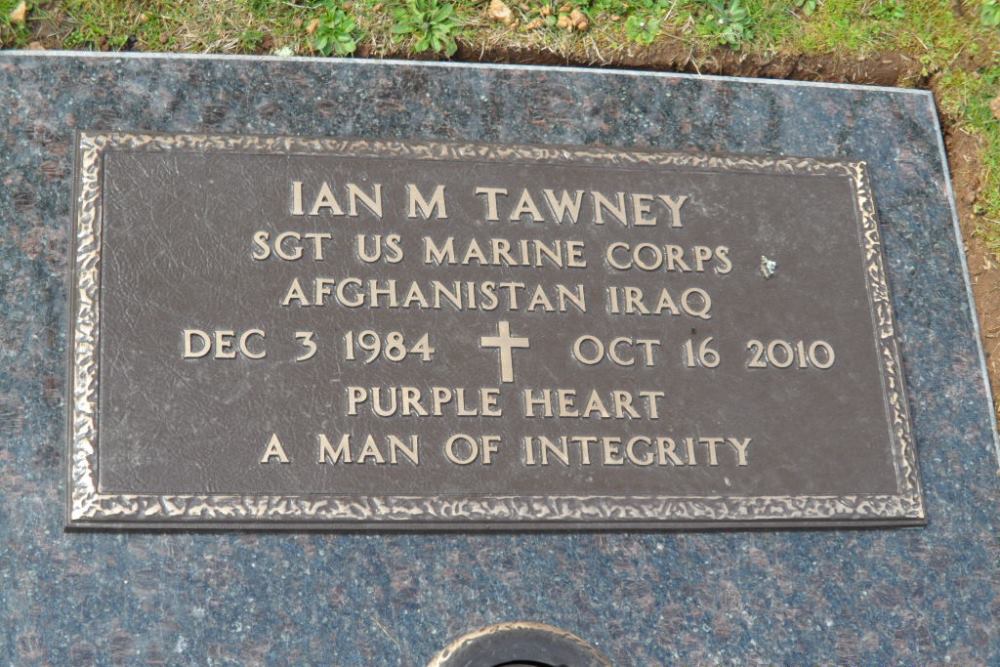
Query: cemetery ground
{"type": "Point", "coordinates": [949, 46]}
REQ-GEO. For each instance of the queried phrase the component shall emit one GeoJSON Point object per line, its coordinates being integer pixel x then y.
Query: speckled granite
{"type": "Point", "coordinates": [908, 596]}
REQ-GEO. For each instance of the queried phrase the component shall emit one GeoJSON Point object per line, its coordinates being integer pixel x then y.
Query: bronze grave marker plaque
{"type": "Point", "coordinates": [350, 334]}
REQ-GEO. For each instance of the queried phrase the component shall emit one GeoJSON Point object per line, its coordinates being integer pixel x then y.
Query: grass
{"type": "Point", "coordinates": [930, 29]}
{"type": "Point", "coordinates": [953, 44]}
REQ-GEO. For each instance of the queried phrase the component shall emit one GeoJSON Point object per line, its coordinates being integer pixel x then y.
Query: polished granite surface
{"type": "Point", "coordinates": [927, 595]}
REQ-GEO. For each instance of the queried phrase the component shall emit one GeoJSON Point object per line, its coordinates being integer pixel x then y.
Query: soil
{"type": "Point", "coordinates": [984, 267]}
{"type": "Point", "coordinates": [884, 70]}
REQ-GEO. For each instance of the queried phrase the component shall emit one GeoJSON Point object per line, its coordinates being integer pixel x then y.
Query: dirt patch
{"type": "Point", "coordinates": [984, 269]}
{"type": "Point", "coordinates": [880, 69]}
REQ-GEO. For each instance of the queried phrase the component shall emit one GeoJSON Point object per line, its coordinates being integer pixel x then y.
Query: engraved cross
{"type": "Point", "coordinates": [504, 342]}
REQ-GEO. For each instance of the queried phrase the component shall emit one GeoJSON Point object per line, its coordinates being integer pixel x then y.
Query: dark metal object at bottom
{"type": "Point", "coordinates": [519, 644]}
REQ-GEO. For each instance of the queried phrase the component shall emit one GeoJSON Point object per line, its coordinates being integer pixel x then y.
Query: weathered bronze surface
{"type": "Point", "coordinates": [345, 334]}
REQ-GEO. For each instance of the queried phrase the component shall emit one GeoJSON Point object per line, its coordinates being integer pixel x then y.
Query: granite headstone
{"type": "Point", "coordinates": [921, 594]}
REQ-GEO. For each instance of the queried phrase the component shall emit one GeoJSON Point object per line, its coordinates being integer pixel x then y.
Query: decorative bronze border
{"type": "Point", "coordinates": [450, 655]}
{"type": "Point", "coordinates": [87, 506]}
